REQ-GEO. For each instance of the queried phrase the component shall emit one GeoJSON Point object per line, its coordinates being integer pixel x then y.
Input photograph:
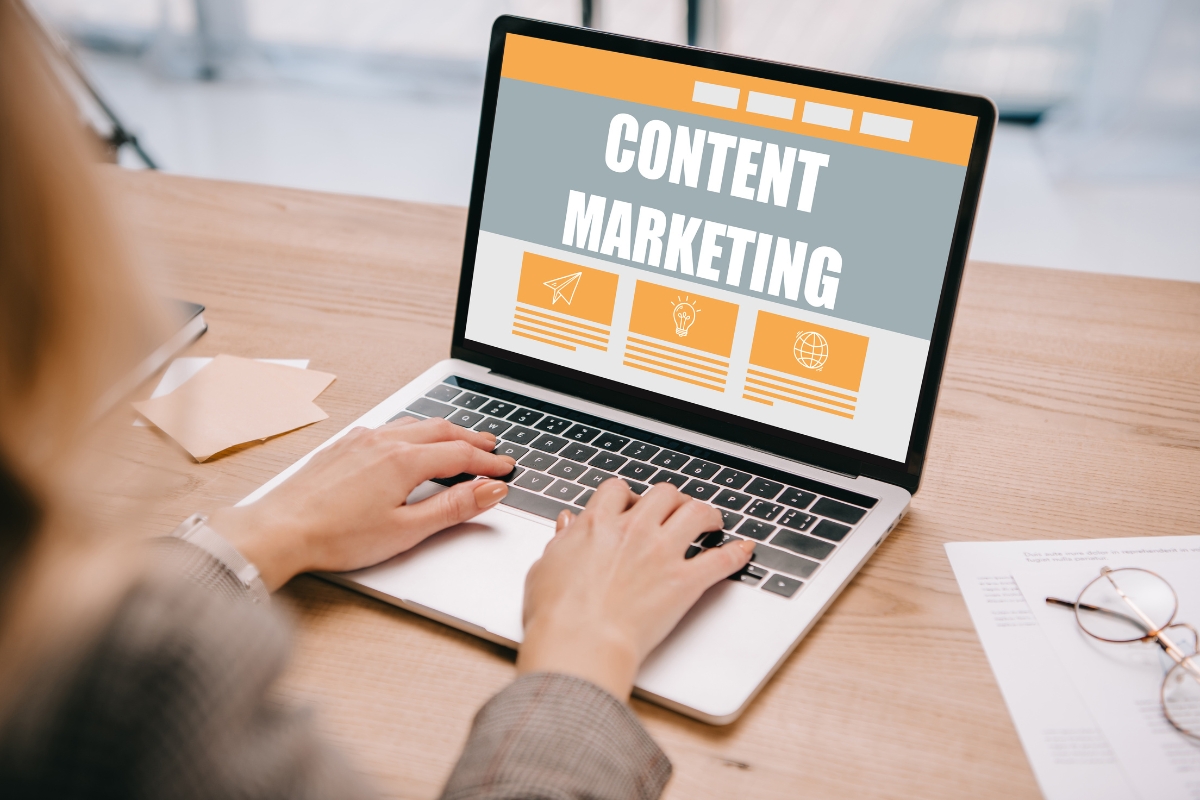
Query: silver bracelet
{"type": "Point", "coordinates": [195, 529]}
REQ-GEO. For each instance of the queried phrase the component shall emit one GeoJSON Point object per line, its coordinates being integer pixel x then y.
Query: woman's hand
{"type": "Point", "coordinates": [613, 583]}
{"type": "Point", "coordinates": [345, 509]}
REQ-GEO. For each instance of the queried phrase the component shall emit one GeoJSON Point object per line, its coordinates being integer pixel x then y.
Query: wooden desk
{"type": "Point", "coordinates": [1070, 408]}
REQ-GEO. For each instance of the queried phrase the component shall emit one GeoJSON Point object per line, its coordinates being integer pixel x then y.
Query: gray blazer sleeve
{"type": "Point", "coordinates": [556, 737]}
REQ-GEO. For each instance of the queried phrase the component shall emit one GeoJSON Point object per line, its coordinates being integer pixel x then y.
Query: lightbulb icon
{"type": "Point", "coordinates": [684, 314]}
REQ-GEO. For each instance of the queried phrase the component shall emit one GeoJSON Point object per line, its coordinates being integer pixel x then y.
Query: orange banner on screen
{"type": "Point", "coordinates": [563, 304]}
{"type": "Point", "coordinates": [797, 362]}
{"type": "Point", "coordinates": [864, 121]}
{"type": "Point", "coordinates": [680, 335]}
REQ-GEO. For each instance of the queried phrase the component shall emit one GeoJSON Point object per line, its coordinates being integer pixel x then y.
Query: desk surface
{"type": "Point", "coordinates": [1070, 408]}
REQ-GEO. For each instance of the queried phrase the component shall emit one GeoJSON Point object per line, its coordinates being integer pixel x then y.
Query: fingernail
{"type": "Point", "coordinates": [747, 545]}
{"type": "Point", "coordinates": [490, 436]}
{"type": "Point", "coordinates": [488, 493]}
{"type": "Point", "coordinates": [564, 518]}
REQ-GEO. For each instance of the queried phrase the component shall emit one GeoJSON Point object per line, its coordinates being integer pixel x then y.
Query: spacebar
{"type": "Point", "coordinates": [534, 503]}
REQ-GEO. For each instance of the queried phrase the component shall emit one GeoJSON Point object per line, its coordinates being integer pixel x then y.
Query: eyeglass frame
{"type": "Point", "coordinates": [1188, 663]}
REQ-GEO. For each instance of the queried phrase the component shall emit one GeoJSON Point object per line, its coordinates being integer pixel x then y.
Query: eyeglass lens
{"type": "Point", "coordinates": [1105, 614]}
{"type": "Point", "coordinates": [1181, 697]}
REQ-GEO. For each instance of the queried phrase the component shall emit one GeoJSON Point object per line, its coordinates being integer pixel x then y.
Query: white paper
{"type": "Point", "coordinates": [1070, 756]}
{"type": "Point", "coordinates": [183, 368]}
{"type": "Point", "coordinates": [1120, 683]}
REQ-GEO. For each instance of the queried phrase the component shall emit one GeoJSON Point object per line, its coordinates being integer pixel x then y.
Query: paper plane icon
{"type": "Point", "coordinates": [564, 287]}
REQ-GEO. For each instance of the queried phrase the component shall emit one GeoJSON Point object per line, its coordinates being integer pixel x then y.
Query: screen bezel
{"type": "Point", "coordinates": [674, 411]}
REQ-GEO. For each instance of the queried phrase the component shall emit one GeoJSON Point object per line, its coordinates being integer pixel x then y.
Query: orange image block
{"type": "Point", "coordinates": [684, 318]}
{"type": "Point", "coordinates": [567, 288]}
{"type": "Point", "coordinates": [814, 352]}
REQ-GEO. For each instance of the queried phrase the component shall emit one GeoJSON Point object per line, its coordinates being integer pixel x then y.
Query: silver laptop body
{"type": "Point", "coordinates": [818, 508]}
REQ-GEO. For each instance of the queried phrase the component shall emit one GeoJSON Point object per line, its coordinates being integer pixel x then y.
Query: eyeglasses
{"type": "Point", "coordinates": [1136, 605]}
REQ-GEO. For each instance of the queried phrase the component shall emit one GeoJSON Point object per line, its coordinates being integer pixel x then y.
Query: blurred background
{"type": "Point", "coordinates": [1096, 165]}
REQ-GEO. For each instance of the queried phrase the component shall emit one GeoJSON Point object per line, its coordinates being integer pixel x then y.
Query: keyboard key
{"type": "Point", "coordinates": [732, 478]}
{"type": "Point", "coordinates": [764, 509]}
{"type": "Point", "coordinates": [718, 538]}
{"type": "Point", "coordinates": [781, 585]}
{"type": "Point", "coordinates": [498, 408]}
{"type": "Point", "coordinates": [756, 530]}
{"type": "Point", "coordinates": [571, 470]}
{"type": "Point", "coordinates": [563, 490]}
{"type": "Point", "coordinates": [594, 477]}
{"type": "Point", "coordinates": [692, 551]}
{"type": "Point", "coordinates": [520, 435]}
{"type": "Point", "coordinates": [638, 471]}
{"type": "Point", "coordinates": [731, 519]}
{"type": "Point", "coordinates": [582, 433]}
{"type": "Point", "coordinates": [699, 468]}
{"type": "Point", "coordinates": [751, 573]}
{"type": "Point", "coordinates": [466, 419]}
{"type": "Point", "coordinates": [534, 480]}
{"type": "Point", "coordinates": [699, 490]}
{"type": "Point", "coordinates": [444, 392]}
{"type": "Point", "coordinates": [470, 400]}
{"type": "Point", "coordinates": [832, 531]}
{"type": "Point", "coordinates": [430, 408]}
{"type": "Point", "coordinates": [610, 441]}
{"type": "Point", "coordinates": [512, 476]}
{"type": "Point", "coordinates": [666, 476]}
{"type": "Point", "coordinates": [404, 414]}
{"type": "Point", "coordinates": [797, 519]}
{"type": "Point", "coordinates": [538, 504]}
{"type": "Point", "coordinates": [454, 480]}
{"type": "Point", "coordinates": [804, 545]}
{"type": "Point", "coordinates": [730, 499]}
{"type": "Point", "coordinates": [764, 488]}
{"type": "Point", "coordinates": [578, 452]}
{"type": "Point", "coordinates": [539, 461]}
{"type": "Point", "coordinates": [608, 461]}
{"type": "Point", "coordinates": [839, 511]}
{"type": "Point", "coordinates": [669, 459]}
{"type": "Point", "coordinates": [637, 488]}
{"type": "Point", "coordinates": [582, 500]}
{"type": "Point", "coordinates": [553, 425]}
{"type": "Point", "coordinates": [641, 451]}
{"type": "Point", "coordinates": [493, 426]}
{"type": "Point", "coordinates": [525, 416]}
{"type": "Point", "coordinates": [513, 451]}
{"type": "Point", "coordinates": [778, 560]}
{"type": "Point", "coordinates": [550, 444]}
{"type": "Point", "coordinates": [797, 498]}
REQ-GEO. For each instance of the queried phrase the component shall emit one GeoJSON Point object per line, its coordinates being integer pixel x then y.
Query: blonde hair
{"type": "Point", "coordinates": [74, 317]}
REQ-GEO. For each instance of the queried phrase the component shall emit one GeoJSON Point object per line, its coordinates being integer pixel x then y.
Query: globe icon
{"type": "Point", "coordinates": [810, 349]}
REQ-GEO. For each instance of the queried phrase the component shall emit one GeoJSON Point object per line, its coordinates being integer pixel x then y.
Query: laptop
{"type": "Point", "coordinates": [731, 275]}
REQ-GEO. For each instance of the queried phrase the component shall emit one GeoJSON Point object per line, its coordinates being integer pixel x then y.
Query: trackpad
{"type": "Point", "coordinates": [474, 572]}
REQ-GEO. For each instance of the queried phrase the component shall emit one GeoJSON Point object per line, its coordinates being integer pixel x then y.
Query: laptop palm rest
{"type": "Point", "coordinates": [472, 573]}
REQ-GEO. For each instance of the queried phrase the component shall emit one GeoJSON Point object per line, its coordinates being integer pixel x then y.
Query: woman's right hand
{"type": "Point", "coordinates": [613, 583]}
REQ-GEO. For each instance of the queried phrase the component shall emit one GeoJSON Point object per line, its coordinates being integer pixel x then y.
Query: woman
{"type": "Point", "coordinates": [134, 671]}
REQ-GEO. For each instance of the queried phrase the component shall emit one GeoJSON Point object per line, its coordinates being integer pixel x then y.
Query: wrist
{"type": "Point", "coordinates": [260, 542]}
{"type": "Point", "coordinates": [594, 653]}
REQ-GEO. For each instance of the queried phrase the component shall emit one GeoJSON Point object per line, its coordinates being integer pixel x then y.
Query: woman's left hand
{"type": "Point", "coordinates": [345, 509]}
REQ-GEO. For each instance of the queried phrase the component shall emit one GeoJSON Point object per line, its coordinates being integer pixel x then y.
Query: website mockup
{"type": "Point", "coordinates": [764, 249]}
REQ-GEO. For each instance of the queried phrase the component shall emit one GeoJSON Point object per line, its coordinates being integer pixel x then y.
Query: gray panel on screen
{"type": "Point", "coordinates": [890, 216]}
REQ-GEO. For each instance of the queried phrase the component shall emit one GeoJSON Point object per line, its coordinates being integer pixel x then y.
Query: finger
{"type": "Point", "coordinates": [565, 518]}
{"type": "Point", "coordinates": [658, 503]}
{"type": "Point", "coordinates": [719, 563]}
{"type": "Point", "coordinates": [447, 459]}
{"type": "Point", "coordinates": [400, 422]}
{"type": "Point", "coordinates": [611, 498]}
{"type": "Point", "coordinates": [456, 504]}
{"type": "Point", "coordinates": [429, 431]}
{"type": "Point", "coordinates": [691, 519]}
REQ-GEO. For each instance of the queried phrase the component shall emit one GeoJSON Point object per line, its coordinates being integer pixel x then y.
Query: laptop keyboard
{"type": "Point", "coordinates": [562, 455]}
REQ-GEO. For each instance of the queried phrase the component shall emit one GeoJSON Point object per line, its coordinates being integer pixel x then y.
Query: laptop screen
{"type": "Point", "coordinates": [764, 249]}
